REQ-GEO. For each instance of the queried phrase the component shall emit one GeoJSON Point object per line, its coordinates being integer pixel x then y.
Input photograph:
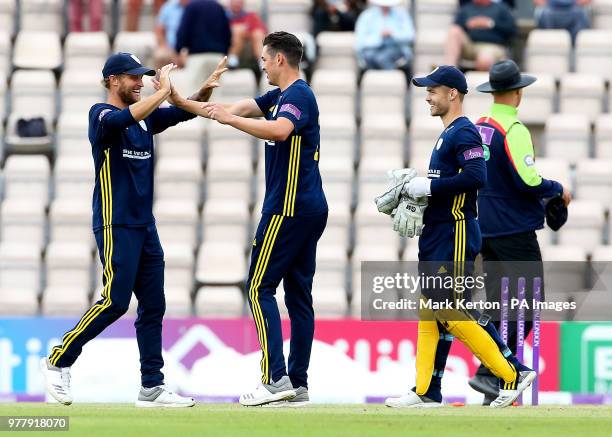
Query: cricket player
{"type": "Point", "coordinates": [294, 215]}
{"type": "Point", "coordinates": [121, 135]}
{"type": "Point", "coordinates": [510, 206]}
{"type": "Point", "coordinates": [451, 239]}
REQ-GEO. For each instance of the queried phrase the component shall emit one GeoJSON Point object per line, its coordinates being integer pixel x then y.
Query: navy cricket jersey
{"type": "Point", "coordinates": [458, 170]}
{"type": "Point", "coordinates": [123, 156]}
{"type": "Point", "coordinates": [293, 181]}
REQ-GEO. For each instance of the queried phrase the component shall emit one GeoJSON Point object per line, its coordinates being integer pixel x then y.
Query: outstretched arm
{"type": "Point", "coordinates": [274, 130]}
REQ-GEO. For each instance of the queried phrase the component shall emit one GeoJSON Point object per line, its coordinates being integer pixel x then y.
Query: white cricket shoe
{"type": "Point", "coordinates": [507, 397]}
{"type": "Point", "coordinates": [412, 400]}
{"type": "Point", "coordinates": [57, 380]}
{"type": "Point", "coordinates": [266, 393]}
{"type": "Point", "coordinates": [161, 397]}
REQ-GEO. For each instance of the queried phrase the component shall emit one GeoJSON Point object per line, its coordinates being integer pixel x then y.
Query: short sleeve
{"type": "Point", "coordinates": [295, 107]}
{"type": "Point", "coordinates": [267, 100]}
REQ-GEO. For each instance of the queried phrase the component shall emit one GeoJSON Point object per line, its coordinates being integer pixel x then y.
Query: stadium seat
{"type": "Point", "coordinates": [334, 82]}
{"type": "Point", "coordinates": [140, 44]}
{"type": "Point", "coordinates": [41, 15]}
{"type": "Point", "coordinates": [69, 264]}
{"type": "Point", "coordinates": [80, 89]}
{"type": "Point", "coordinates": [383, 92]}
{"type": "Point", "coordinates": [176, 220]}
{"type": "Point", "coordinates": [594, 52]}
{"type": "Point", "coordinates": [5, 50]}
{"type": "Point", "coordinates": [20, 267]}
{"type": "Point", "coordinates": [74, 176]}
{"type": "Point", "coordinates": [477, 104]}
{"type": "Point", "coordinates": [86, 50]}
{"type": "Point", "coordinates": [70, 220]}
{"type": "Point", "coordinates": [602, 254]}
{"type": "Point", "coordinates": [225, 212]}
{"type": "Point", "coordinates": [17, 300]}
{"type": "Point", "coordinates": [27, 177]}
{"type": "Point", "coordinates": [329, 295]}
{"type": "Point", "coordinates": [603, 136]}
{"type": "Point", "coordinates": [23, 220]}
{"type": "Point", "coordinates": [585, 225]}
{"type": "Point", "coordinates": [434, 14]}
{"type": "Point", "coordinates": [296, 12]}
{"type": "Point", "coordinates": [428, 49]}
{"type": "Point", "coordinates": [180, 262]}
{"type": "Point", "coordinates": [584, 91]}
{"type": "Point", "coordinates": [178, 301]}
{"type": "Point", "coordinates": [3, 97]}
{"type": "Point", "coordinates": [240, 82]}
{"type": "Point", "coordinates": [548, 51]}
{"type": "Point", "coordinates": [183, 140]}
{"type": "Point", "coordinates": [72, 138]}
{"type": "Point", "coordinates": [332, 248]}
{"type": "Point", "coordinates": [594, 180]}
{"type": "Point", "coordinates": [219, 302]}
{"type": "Point", "coordinates": [18, 144]}
{"type": "Point", "coordinates": [225, 141]}
{"type": "Point", "coordinates": [178, 178]}
{"type": "Point", "coordinates": [37, 50]}
{"type": "Point", "coordinates": [64, 300]}
{"type": "Point", "coordinates": [7, 16]}
{"type": "Point", "coordinates": [33, 93]}
{"type": "Point", "coordinates": [424, 131]}
{"type": "Point", "coordinates": [336, 51]}
{"type": "Point", "coordinates": [221, 263]}
{"type": "Point", "coordinates": [538, 100]}
{"type": "Point", "coordinates": [602, 14]}
{"type": "Point", "coordinates": [567, 136]}
{"type": "Point", "coordinates": [338, 127]}
{"type": "Point", "coordinates": [564, 268]}
{"type": "Point", "coordinates": [557, 169]}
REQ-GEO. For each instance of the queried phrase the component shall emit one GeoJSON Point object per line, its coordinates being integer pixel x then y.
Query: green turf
{"type": "Point", "coordinates": [323, 420]}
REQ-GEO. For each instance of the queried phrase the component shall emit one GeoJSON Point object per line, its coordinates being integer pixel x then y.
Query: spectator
{"type": "Point", "coordinates": [482, 32]}
{"type": "Point", "coordinates": [133, 13]}
{"type": "Point", "coordinates": [167, 25]}
{"type": "Point", "coordinates": [246, 27]}
{"type": "Point", "coordinates": [510, 3]}
{"type": "Point", "coordinates": [95, 8]}
{"type": "Point", "coordinates": [203, 37]}
{"type": "Point", "coordinates": [335, 15]}
{"type": "Point", "coordinates": [562, 14]}
{"type": "Point", "coordinates": [383, 34]}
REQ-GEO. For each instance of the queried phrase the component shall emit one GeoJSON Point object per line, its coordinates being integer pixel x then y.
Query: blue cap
{"type": "Point", "coordinates": [446, 75]}
{"type": "Point", "coordinates": [125, 63]}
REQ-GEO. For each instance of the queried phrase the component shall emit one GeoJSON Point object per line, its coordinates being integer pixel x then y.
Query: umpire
{"type": "Point", "coordinates": [511, 206]}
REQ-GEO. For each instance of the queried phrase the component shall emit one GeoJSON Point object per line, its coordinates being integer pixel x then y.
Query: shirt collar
{"type": "Point", "coordinates": [500, 109]}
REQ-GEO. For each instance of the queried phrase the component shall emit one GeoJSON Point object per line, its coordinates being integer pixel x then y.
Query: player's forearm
{"type": "Point", "coordinates": [190, 105]}
{"type": "Point", "coordinates": [262, 129]}
{"type": "Point", "coordinates": [473, 177]}
{"type": "Point", "coordinates": [142, 109]}
{"type": "Point", "coordinates": [202, 95]}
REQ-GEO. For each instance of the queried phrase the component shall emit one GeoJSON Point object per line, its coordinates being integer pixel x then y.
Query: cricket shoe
{"type": "Point", "coordinates": [161, 397]}
{"type": "Point", "coordinates": [487, 385]}
{"type": "Point", "coordinates": [507, 397]}
{"type": "Point", "coordinates": [265, 393]}
{"type": "Point", "coordinates": [301, 399]}
{"type": "Point", "coordinates": [57, 380]}
{"type": "Point", "coordinates": [412, 400]}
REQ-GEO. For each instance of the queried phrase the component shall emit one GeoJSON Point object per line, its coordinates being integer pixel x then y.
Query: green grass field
{"type": "Point", "coordinates": [323, 420]}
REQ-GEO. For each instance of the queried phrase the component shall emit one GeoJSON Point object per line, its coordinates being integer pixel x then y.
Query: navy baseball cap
{"type": "Point", "coordinates": [125, 63]}
{"type": "Point", "coordinates": [446, 75]}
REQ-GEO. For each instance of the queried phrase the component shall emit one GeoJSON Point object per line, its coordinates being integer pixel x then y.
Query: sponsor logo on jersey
{"type": "Point", "coordinates": [136, 154]}
{"type": "Point", "coordinates": [473, 153]}
{"type": "Point", "coordinates": [291, 109]}
{"type": "Point", "coordinates": [529, 161]}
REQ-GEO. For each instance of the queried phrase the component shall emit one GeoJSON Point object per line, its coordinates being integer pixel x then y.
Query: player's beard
{"type": "Point", "coordinates": [126, 95]}
{"type": "Point", "coordinates": [437, 111]}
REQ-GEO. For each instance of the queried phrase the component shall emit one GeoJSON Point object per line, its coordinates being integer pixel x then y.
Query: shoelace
{"type": "Point", "coordinates": [66, 378]}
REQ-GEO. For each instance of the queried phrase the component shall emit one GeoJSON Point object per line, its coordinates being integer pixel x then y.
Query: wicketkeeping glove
{"type": "Point", "coordinates": [408, 217]}
{"type": "Point", "coordinates": [387, 202]}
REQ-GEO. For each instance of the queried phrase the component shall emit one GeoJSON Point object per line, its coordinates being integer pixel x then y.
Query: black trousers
{"type": "Point", "coordinates": [511, 256]}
